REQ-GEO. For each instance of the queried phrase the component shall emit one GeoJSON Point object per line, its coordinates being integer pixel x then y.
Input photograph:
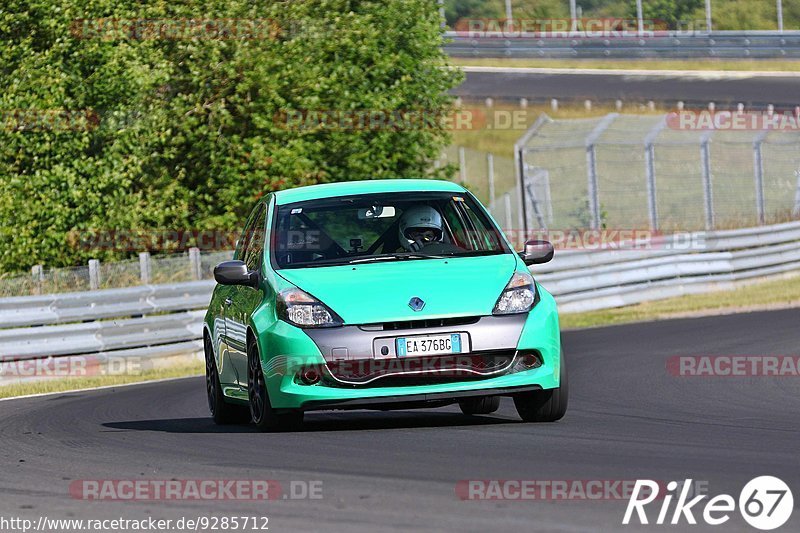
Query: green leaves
{"type": "Point", "coordinates": [185, 133]}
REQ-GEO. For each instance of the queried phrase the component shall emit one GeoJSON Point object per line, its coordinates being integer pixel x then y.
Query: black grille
{"type": "Point", "coordinates": [425, 370]}
{"type": "Point", "coordinates": [423, 323]}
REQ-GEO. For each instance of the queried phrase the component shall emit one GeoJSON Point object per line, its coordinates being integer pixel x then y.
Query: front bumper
{"type": "Point", "coordinates": [412, 400]}
{"type": "Point", "coordinates": [294, 349]}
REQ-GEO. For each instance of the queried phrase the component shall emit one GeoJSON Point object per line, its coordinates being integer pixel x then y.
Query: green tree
{"type": "Point", "coordinates": [672, 12]}
{"type": "Point", "coordinates": [456, 10]}
{"type": "Point", "coordinates": [745, 14]}
{"type": "Point", "coordinates": [185, 133]}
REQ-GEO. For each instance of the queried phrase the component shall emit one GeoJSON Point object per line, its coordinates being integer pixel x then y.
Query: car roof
{"type": "Point", "coordinates": [349, 188]}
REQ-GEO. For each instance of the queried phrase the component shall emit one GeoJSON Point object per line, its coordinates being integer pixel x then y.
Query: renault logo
{"type": "Point", "coordinates": [416, 303]}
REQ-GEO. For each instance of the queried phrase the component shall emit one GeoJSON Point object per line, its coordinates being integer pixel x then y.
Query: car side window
{"type": "Point", "coordinates": [241, 244]}
{"type": "Point", "coordinates": [457, 224]}
{"type": "Point", "coordinates": [483, 240]}
{"type": "Point", "coordinates": [254, 249]}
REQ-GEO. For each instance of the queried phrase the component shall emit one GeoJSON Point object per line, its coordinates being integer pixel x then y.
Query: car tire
{"type": "Point", "coordinates": [222, 412]}
{"type": "Point", "coordinates": [261, 412]}
{"type": "Point", "coordinates": [545, 405]}
{"type": "Point", "coordinates": [483, 405]}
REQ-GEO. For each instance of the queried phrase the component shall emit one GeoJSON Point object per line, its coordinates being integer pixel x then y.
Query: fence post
{"type": "Point", "coordinates": [796, 210]}
{"type": "Point", "coordinates": [548, 197]}
{"type": "Point", "coordinates": [507, 205]}
{"type": "Point", "coordinates": [758, 168]}
{"type": "Point", "coordinates": [144, 267]}
{"type": "Point", "coordinates": [530, 196]}
{"type": "Point", "coordinates": [94, 274]}
{"type": "Point", "coordinates": [520, 166]}
{"type": "Point", "coordinates": [37, 273]}
{"type": "Point", "coordinates": [639, 17]}
{"type": "Point", "coordinates": [650, 170]}
{"type": "Point", "coordinates": [593, 188]}
{"type": "Point", "coordinates": [194, 259]}
{"type": "Point", "coordinates": [462, 165]}
{"type": "Point", "coordinates": [708, 192]}
{"type": "Point", "coordinates": [490, 174]}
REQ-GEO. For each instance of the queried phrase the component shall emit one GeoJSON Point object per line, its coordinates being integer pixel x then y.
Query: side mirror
{"type": "Point", "coordinates": [537, 252]}
{"type": "Point", "coordinates": [235, 273]}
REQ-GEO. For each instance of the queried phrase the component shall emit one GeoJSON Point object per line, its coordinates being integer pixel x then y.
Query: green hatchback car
{"type": "Point", "coordinates": [384, 294]}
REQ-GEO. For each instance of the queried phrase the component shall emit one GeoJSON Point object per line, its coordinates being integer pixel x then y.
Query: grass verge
{"type": "Point", "coordinates": [70, 384]}
{"type": "Point", "coordinates": [745, 65]}
{"type": "Point", "coordinates": [776, 294]}
{"type": "Point", "coordinates": [506, 123]}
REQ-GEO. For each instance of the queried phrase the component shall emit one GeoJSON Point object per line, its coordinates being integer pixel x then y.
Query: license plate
{"type": "Point", "coordinates": [428, 345]}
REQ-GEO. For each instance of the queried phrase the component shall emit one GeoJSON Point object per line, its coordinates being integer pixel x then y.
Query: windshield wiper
{"type": "Point", "coordinates": [394, 257]}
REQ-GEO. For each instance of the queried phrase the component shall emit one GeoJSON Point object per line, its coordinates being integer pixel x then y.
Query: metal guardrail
{"type": "Point", "coordinates": [734, 45]}
{"type": "Point", "coordinates": [75, 323]}
{"type": "Point", "coordinates": [101, 336]}
{"type": "Point", "coordinates": [63, 325]}
{"type": "Point", "coordinates": [73, 306]}
{"type": "Point", "coordinates": [591, 280]}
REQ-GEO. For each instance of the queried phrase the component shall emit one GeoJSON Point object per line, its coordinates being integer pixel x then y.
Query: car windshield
{"type": "Point", "coordinates": [382, 227]}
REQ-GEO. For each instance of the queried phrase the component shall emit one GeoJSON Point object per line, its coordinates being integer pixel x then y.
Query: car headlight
{"type": "Point", "coordinates": [519, 296]}
{"type": "Point", "coordinates": [303, 310]}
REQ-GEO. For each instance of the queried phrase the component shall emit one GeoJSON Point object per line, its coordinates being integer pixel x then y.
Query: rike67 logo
{"type": "Point", "coordinates": [765, 503]}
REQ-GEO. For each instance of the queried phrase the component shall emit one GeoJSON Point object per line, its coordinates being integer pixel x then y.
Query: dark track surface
{"type": "Point", "coordinates": [756, 92]}
{"type": "Point", "coordinates": [628, 419]}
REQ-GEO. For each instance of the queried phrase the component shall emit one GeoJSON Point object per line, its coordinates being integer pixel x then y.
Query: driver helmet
{"type": "Point", "coordinates": [420, 225]}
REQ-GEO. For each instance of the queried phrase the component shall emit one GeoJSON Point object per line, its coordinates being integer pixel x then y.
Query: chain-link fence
{"type": "Point", "coordinates": [169, 268]}
{"type": "Point", "coordinates": [491, 178]}
{"type": "Point", "coordinates": [626, 171]}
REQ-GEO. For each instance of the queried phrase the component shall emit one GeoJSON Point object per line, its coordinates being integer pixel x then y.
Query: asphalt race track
{"type": "Point", "coordinates": [628, 419]}
{"type": "Point", "coordinates": [753, 91]}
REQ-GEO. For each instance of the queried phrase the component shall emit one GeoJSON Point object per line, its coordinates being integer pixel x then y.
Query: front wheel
{"type": "Point", "coordinates": [221, 411]}
{"type": "Point", "coordinates": [545, 405]}
{"type": "Point", "coordinates": [483, 405]}
{"type": "Point", "coordinates": [264, 417]}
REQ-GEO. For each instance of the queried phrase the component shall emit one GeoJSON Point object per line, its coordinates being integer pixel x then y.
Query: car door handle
{"type": "Point", "coordinates": [228, 302]}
